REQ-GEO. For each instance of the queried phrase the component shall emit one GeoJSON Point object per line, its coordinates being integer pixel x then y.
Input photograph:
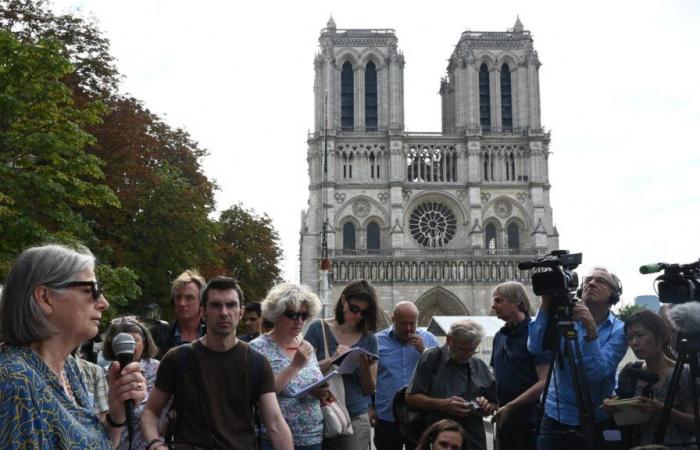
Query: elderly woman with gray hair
{"type": "Point", "coordinates": [288, 306]}
{"type": "Point", "coordinates": [51, 302]}
{"type": "Point", "coordinates": [451, 383]}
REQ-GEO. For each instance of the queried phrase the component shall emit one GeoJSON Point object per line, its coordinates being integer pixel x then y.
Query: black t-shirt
{"type": "Point", "coordinates": [226, 378]}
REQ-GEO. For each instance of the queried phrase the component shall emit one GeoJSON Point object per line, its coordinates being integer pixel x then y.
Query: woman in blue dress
{"type": "Point", "coordinates": [51, 303]}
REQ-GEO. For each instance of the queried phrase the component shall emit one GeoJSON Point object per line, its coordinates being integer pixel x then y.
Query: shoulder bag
{"type": "Point", "coordinates": [336, 419]}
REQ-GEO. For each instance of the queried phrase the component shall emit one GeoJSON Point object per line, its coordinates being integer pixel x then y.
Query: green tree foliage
{"type": "Point", "coordinates": [119, 287]}
{"type": "Point", "coordinates": [628, 310]}
{"type": "Point", "coordinates": [250, 248]}
{"type": "Point", "coordinates": [46, 176]}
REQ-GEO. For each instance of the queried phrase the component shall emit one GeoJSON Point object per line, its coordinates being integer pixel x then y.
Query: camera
{"type": "Point", "coordinates": [680, 283]}
{"type": "Point", "coordinates": [560, 279]}
{"type": "Point", "coordinates": [473, 405]}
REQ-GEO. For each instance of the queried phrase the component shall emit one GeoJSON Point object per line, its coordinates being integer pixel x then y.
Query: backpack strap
{"type": "Point", "coordinates": [434, 365]}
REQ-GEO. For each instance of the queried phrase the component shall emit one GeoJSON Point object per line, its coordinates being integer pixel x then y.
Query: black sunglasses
{"type": "Point", "coordinates": [294, 315]}
{"type": "Point", "coordinates": [356, 309]}
{"type": "Point", "coordinates": [95, 288]}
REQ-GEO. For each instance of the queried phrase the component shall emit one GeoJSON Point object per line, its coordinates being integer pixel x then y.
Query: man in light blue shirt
{"type": "Point", "coordinates": [601, 338]}
{"type": "Point", "coordinates": [400, 346]}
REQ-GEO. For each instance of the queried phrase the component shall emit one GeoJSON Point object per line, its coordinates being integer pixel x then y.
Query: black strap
{"type": "Point", "coordinates": [435, 366]}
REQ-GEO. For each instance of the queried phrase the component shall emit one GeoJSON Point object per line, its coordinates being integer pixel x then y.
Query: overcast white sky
{"type": "Point", "coordinates": [620, 94]}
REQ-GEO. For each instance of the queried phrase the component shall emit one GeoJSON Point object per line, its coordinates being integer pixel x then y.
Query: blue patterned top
{"type": "Point", "coordinates": [36, 413]}
{"type": "Point", "coordinates": [303, 414]}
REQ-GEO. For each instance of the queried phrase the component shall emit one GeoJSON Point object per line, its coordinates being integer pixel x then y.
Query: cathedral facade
{"type": "Point", "coordinates": [437, 218]}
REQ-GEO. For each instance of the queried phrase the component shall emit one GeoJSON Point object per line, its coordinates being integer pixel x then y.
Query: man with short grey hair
{"type": "Point", "coordinates": [450, 382]}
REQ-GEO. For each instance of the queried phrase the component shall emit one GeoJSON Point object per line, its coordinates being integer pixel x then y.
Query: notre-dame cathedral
{"type": "Point", "coordinates": [437, 218]}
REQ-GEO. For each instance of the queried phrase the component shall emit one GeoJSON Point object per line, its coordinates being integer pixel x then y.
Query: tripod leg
{"type": "Point", "coordinates": [583, 397]}
{"type": "Point", "coordinates": [660, 433]}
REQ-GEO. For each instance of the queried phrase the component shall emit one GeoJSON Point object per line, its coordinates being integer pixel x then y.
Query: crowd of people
{"type": "Point", "coordinates": [194, 384]}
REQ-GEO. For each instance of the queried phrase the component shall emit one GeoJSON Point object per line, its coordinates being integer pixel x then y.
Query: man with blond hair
{"type": "Point", "coordinates": [188, 325]}
{"type": "Point", "coordinates": [462, 388]}
{"type": "Point", "coordinates": [520, 375]}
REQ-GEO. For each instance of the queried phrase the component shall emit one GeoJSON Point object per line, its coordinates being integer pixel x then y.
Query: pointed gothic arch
{"type": "Point", "coordinates": [439, 302]}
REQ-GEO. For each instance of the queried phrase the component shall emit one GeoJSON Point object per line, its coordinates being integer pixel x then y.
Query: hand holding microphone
{"type": "Point", "coordinates": [126, 383]}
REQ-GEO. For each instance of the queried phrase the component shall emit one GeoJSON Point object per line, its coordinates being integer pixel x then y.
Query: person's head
{"type": "Point", "coordinates": [463, 339]}
{"type": "Point", "coordinates": [221, 300]}
{"type": "Point", "coordinates": [510, 302]}
{"type": "Point", "coordinates": [358, 305]}
{"type": "Point", "coordinates": [252, 318]}
{"type": "Point", "coordinates": [600, 288]}
{"type": "Point", "coordinates": [185, 293]}
{"type": "Point", "coordinates": [647, 334]}
{"type": "Point", "coordinates": [445, 434]}
{"type": "Point", "coordinates": [288, 306]}
{"type": "Point", "coordinates": [405, 319]}
{"type": "Point", "coordinates": [51, 290]}
{"type": "Point", "coordinates": [145, 346]}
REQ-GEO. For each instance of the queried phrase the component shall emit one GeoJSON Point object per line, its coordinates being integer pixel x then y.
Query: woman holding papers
{"type": "Point", "coordinates": [288, 306]}
{"type": "Point", "coordinates": [353, 326]}
{"type": "Point", "coordinates": [648, 337]}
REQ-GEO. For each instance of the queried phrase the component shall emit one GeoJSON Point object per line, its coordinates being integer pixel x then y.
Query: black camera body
{"type": "Point", "coordinates": [680, 283]}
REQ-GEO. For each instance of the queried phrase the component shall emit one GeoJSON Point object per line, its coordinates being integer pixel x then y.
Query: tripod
{"type": "Point", "coordinates": [572, 355]}
{"type": "Point", "coordinates": [688, 352]}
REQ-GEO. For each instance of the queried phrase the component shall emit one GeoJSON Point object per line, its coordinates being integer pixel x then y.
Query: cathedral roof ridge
{"type": "Point", "coordinates": [359, 32]}
{"type": "Point", "coordinates": [498, 35]}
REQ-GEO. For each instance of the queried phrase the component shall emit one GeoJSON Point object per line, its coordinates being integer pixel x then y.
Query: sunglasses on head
{"type": "Point", "coordinates": [294, 315]}
{"type": "Point", "coordinates": [356, 309]}
{"type": "Point", "coordinates": [95, 288]}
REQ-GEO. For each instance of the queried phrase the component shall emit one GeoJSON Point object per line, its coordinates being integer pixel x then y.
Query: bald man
{"type": "Point", "coordinates": [400, 346]}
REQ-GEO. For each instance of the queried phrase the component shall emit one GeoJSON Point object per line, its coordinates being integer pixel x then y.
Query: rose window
{"type": "Point", "coordinates": [432, 224]}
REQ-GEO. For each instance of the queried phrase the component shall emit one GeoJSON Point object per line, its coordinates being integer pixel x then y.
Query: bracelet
{"type": "Point", "coordinates": [154, 441]}
{"type": "Point", "coordinates": [588, 338]}
{"type": "Point", "coordinates": [114, 424]}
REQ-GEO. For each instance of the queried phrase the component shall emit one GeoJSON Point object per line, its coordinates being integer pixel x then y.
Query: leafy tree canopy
{"type": "Point", "coordinates": [250, 248]}
{"type": "Point", "coordinates": [628, 310]}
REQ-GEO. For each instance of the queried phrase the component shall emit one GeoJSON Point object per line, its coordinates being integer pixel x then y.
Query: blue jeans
{"type": "Point", "coordinates": [267, 445]}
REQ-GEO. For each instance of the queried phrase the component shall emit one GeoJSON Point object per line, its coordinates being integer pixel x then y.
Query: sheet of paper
{"type": "Point", "coordinates": [348, 362]}
{"type": "Point", "coordinates": [313, 386]}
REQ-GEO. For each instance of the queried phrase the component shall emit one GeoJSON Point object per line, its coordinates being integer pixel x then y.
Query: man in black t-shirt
{"type": "Point", "coordinates": [520, 376]}
{"type": "Point", "coordinates": [214, 383]}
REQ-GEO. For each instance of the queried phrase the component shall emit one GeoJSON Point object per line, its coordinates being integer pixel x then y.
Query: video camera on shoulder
{"type": "Point", "coordinates": [680, 283]}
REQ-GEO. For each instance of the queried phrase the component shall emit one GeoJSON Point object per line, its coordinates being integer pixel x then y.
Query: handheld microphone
{"type": "Point", "coordinates": [652, 268]}
{"type": "Point", "coordinates": [123, 346]}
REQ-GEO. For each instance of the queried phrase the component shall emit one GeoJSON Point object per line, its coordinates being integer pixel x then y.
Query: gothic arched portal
{"type": "Point", "coordinates": [439, 302]}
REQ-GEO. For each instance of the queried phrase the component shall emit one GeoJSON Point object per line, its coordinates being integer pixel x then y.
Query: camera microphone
{"type": "Point", "coordinates": [652, 268]}
{"type": "Point", "coordinates": [685, 317]}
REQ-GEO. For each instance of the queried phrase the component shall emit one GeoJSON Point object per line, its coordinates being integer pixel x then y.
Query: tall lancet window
{"type": "Point", "coordinates": [370, 97]}
{"type": "Point", "coordinates": [349, 236]}
{"type": "Point", "coordinates": [506, 99]}
{"type": "Point", "coordinates": [484, 98]}
{"type": "Point", "coordinates": [373, 236]}
{"type": "Point", "coordinates": [490, 238]}
{"type": "Point", "coordinates": [347, 97]}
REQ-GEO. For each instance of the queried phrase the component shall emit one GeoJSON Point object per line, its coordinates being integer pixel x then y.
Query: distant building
{"type": "Point", "coordinates": [650, 302]}
{"type": "Point", "coordinates": [438, 218]}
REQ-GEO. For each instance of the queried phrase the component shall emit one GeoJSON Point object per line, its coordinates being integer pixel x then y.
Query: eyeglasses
{"type": "Point", "coordinates": [599, 280]}
{"type": "Point", "coordinates": [295, 315]}
{"type": "Point", "coordinates": [356, 309]}
{"type": "Point", "coordinates": [95, 288]}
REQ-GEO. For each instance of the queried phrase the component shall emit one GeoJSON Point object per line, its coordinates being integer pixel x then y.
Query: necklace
{"type": "Point", "coordinates": [66, 386]}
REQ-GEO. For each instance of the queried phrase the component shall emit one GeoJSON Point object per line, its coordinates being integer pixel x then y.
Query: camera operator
{"type": "Point", "coordinates": [602, 341]}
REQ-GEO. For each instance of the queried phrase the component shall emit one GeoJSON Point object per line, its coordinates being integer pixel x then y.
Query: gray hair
{"type": "Point", "coordinates": [292, 296]}
{"type": "Point", "coordinates": [22, 321]}
{"type": "Point", "coordinates": [514, 292]}
{"type": "Point", "coordinates": [466, 330]}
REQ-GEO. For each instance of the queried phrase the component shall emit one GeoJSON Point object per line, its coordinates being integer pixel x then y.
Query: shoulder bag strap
{"type": "Point", "coordinates": [325, 339]}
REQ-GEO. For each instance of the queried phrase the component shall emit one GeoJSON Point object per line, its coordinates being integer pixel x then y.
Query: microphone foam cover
{"type": "Point", "coordinates": [123, 343]}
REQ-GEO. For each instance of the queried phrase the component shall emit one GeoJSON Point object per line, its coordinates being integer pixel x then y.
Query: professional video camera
{"type": "Point", "coordinates": [560, 279]}
{"type": "Point", "coordinates": [680, 283]}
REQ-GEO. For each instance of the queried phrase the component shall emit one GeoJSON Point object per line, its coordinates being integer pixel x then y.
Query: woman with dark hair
{"type": "Point", "coordinates": [444, 434]}
{"type": "Point", "coordinates": [51, 303]}
{"type": "Point", "coordinates": [648, 337]}
{"type": "Point", "coordinates": [353, 325]}
{"type": "Point", "coordinates": [144, 354]}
